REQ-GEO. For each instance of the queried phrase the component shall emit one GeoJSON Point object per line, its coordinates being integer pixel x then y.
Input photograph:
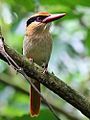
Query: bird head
{"type": "Point", "coordinates": [41, 21]}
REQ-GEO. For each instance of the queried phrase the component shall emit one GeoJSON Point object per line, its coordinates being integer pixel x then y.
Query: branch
{"type": "Point", "coordinates": [24, 91]}
{"type": "Point", "coordinates": [50, 81]}
{"type": "Point", "coordinates": [20, 70]}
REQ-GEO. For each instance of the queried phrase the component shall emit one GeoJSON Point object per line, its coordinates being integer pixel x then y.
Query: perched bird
{"type": "Point", "coordinates": [37, 46]}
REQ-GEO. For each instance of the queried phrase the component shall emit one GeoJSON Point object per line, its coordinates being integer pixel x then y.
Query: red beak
{"type": "Point", "coordinates": [53, 17]}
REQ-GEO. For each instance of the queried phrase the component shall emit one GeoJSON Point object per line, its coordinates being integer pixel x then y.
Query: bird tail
{"type": "Point", "coordinates": [35, 99]}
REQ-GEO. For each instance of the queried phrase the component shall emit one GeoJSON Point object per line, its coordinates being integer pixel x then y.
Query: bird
{"type": "Point", "coordinates": [37, 47]}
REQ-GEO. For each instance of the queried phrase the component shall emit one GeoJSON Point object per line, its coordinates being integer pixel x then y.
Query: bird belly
{"type": "Point", "coordinates": [38, 49]}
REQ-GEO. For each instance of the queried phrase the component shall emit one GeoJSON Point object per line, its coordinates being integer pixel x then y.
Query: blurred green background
{"type": "Point", "coordinates": [70, 59]}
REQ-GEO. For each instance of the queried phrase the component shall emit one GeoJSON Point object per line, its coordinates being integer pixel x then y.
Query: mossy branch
{"type": "Point", "coordinates": [50, 81]}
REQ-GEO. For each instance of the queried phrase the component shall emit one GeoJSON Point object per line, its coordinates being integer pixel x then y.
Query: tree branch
{"type": "Point", "coordinates": [50, 81]}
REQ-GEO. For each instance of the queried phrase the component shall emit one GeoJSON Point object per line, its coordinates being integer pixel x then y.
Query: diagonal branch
{"type": "Point", "coordinates": [20, 70]}
{"type": "Point", "coordinates": [50, 81]}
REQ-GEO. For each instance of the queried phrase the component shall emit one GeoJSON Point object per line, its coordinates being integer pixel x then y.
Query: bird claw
{"type": "Point", "coordinates": [44, 66]}
{"type": "Point", "coordinates": [45, 71]}
{"type": "Point", "coordinates": [31, 60]}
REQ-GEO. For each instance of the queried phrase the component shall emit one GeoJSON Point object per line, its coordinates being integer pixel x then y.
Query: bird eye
{"type": "Point", "coordinates": [39, 19]}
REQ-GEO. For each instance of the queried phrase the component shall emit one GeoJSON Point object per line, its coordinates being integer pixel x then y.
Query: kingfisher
{"type": "Point", "coordinates": [37, 46]}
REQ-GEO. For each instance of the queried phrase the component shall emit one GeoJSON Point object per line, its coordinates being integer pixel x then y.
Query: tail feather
{"type": "Point", "coordinates": [35, 100]}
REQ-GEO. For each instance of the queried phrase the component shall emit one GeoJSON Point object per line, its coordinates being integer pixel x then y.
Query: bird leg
{"type": "Point", "coordinates": [31, 60]}
{"type": "Point", "coordinates": [44, 66]}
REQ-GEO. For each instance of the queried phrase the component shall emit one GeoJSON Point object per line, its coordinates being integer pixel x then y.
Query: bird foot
{"type": "Point", "coordinates": [45, 71]}
{"type": "Point", "coordinates": [31, 60]}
